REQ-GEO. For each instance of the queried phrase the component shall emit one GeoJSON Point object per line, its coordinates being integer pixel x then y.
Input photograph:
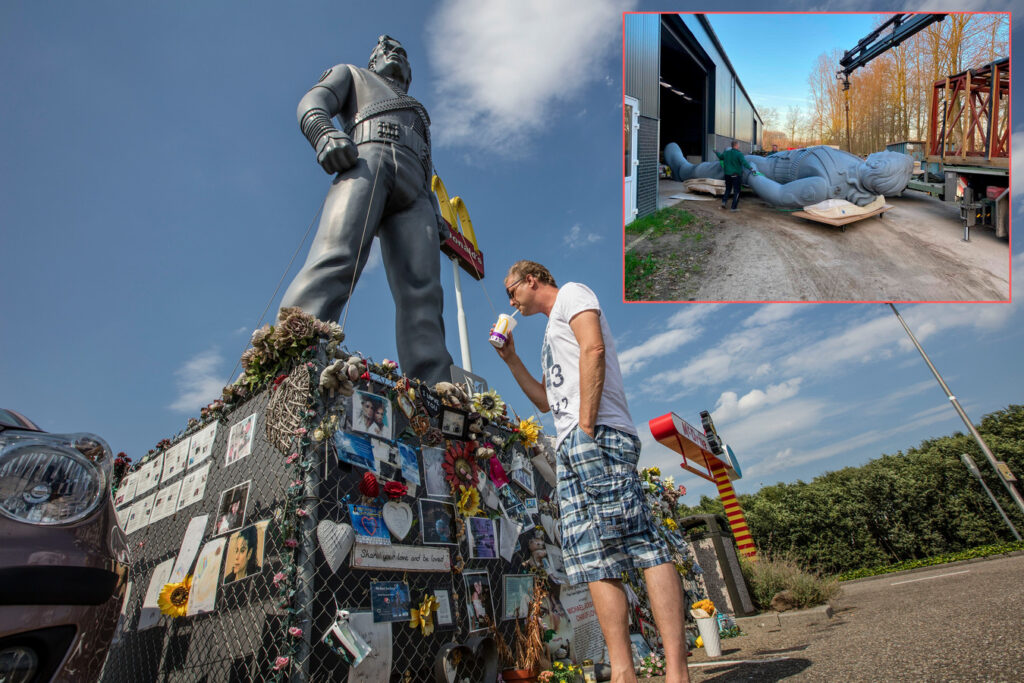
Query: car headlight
{"type": "Point", "coordinates": [50, 479]}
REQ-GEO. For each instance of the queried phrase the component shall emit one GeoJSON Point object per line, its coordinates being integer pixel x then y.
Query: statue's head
{"type": "Point", "coordinates": [389, 59]}
{"type": "Point", "coordinates": [885, 173]}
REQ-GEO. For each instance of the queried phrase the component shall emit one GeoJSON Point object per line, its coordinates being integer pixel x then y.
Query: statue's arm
{"type": "Point", "coordinates": [335, 151]}
{"type": "Point", "coordinates": [793, 195]}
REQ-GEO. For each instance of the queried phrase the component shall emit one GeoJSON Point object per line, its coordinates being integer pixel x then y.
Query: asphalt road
{"type": "Point", "coordinates": [960, 622]}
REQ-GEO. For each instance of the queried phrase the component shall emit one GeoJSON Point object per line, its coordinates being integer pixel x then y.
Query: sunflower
{"type": "Point", "coordinates": [469, 501]}
{"type": "Point", "coordinates": [488, 404]}
{"type": "Point", "coordinates": [530, 431]}
{"type": "Point", "coordinates": [173, 600]}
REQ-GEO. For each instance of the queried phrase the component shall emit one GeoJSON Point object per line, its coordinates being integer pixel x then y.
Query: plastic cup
{"type": "Point", "coordinates": [502, 328]}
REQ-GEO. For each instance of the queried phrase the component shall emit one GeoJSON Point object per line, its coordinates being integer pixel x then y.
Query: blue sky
{"type": "Point", "coordinates": [155, 186]}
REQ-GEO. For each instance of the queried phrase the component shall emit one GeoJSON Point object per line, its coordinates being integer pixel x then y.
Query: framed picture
{"type": "Point", "coordinates": [482, 535]}
{"type": "Point", "coordinates": [518, 593]}
{"type": "Point", "coordinates": [405, 404]}
{"type": "Point", "coordinates": [371, 414]}
{"type": "Point", "coordinates": [231, 511]}
{"type": "Point", "coordinates": [368, 525]}
{"type": "Point", "coordinates": [389, 600]}
{"type": "Point", "coordinates": [245, 552]}
{"type": "Point", "coordinates": [523, 478]}
{"type": "Point", "coordinates": [354, 449]}
{"type": "Point", "coordinates": [444, 608]}
{"type": "Point", "coordinates": [240, 440]}
{"type": "Point", "coordinates": [437, 520]}
{"type": "Point", "coordinates": [433, 473]}
{"type": "Point", "coordinates": [479, 605]}
{"type": "Point", "coordinates": [454, 423]}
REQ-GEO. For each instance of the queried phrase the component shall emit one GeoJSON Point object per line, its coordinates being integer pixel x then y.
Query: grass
{"type": "Point", "coordinates": [980, 551]}
{"type": "Point", "coordinates": [661, 222]}
{"type": "Point", "coordinates": [768, 576]}
{"type": "Point", "coordinates": [638, 268]}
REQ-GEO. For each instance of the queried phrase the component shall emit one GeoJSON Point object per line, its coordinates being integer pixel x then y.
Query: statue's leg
{"type": "Point", "coordinates": [684, 170]}
{"type": "Point", "coordinates": [351, 214]}
{"type": "Point", "coordinates": [410, 248]}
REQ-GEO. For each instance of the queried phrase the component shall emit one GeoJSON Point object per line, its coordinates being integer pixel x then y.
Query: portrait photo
{"type": "Point", "coordinates": [231, 511]}
{"type": "Point", "coordinates": [433, 473]}
{"type": "Point", "coordinates": [240, 440]}
{"type": "Point", "coordinates": [518, 592]}
{"type": "Point", "coordinates": [482, 535]}
{"type": "Point", "coordinates": [245, 552]}
{"type": "Point", "coordinates": [437, 520]}
{"type": "Point", "coordinates": [389, 600]}
{"type": "Point", "coordinates": [371, 414]}
{"type": "Point", "coordinates": [354, 449]}
{"type": "Point", "coordinates": [453, 423]}
{"type": "Point", "coordinates": [479, 606]}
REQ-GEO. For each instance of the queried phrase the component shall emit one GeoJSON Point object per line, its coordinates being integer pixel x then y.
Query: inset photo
{"type": "Point", "coordinates": [231, 511]}
{"type": "Point", "coordinates": [790, 157]}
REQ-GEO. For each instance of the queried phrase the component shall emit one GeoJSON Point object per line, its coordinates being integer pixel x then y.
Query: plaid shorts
{"type": "Point", "coordinates": [607, 527]}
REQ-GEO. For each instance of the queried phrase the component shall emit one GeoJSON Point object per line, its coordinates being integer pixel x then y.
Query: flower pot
{"type": "Point", "coordinates": [519, 675]}
{"type": "Point", "coordinates": [708, 628]}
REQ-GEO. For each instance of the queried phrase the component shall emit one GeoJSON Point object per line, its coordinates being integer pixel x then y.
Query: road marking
{"type": "Point", "coordinates": [930, 577]}
{"type": "Point", "coordinates": [739, 661]}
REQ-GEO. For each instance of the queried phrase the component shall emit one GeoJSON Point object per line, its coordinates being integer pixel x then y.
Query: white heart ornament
{"type": "Point", "coordinates": [335, 541]}
{"type": "Point", "coordinates": [398, 517]}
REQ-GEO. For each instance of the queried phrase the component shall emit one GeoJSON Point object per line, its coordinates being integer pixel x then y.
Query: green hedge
{"type": "Point", "coordinates": [970, 553]}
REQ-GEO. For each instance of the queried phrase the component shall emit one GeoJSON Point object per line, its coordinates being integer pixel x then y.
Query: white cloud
{"type": "Point", "coordinates": [198, 381]}
{"type": "Point", "coordinates": [731, 407]}
{"type": "Point", "coordinates": [772, 313]}
{"type": "Point", "coordinates": [684, 327]}
{"type": "Point", "coordinates": [505, 65]}
{"type": "Point", "coordinates": [576, 238]}
{"type": "Point", "coordinates": [373, 261]}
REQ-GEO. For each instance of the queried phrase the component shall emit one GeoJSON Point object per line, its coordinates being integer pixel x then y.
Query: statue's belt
{"type": "Point", "coordinates": [383, 129]}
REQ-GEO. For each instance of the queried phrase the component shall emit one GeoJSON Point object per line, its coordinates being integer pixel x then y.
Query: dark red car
{"type": "Point", "coordinates": [63, 556]}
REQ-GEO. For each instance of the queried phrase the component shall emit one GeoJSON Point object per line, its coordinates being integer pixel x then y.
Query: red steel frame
{"type": "Point", "coordinates": [969, 120]}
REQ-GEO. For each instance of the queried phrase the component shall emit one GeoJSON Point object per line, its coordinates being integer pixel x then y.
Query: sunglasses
{"type": "Point", "coordinates": [511, 290]}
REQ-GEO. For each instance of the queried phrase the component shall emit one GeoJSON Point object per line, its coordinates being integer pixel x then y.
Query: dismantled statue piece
{"type": "Point", "coordinates": [839, 208]}
{"type": "Point", "coordinates": [801, 177]}
{"type": "Point", "coordinates": [381, 189]}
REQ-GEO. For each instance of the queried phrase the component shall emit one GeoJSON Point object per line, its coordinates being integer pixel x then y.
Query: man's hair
{"type": "Point", "coordinates": [524, 268]}
{"type": "Point", "coordinates": [734, 143]}
{"type": "Point", "coordinates": [379, 47]}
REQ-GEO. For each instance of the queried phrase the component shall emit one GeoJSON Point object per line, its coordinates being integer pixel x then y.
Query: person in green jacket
{"type": "Point", "coordinates": [733, 163]}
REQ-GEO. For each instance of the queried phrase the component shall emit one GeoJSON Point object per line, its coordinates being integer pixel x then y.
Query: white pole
{"type": "Point", "coordinates": [467, 363]}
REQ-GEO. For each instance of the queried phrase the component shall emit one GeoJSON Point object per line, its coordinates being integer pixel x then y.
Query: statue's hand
{"type": "Point", "coordinates": [335, 152]}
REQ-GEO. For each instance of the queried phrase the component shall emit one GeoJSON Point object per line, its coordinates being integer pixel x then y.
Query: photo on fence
{"type": "Point", "coordinates": [482, 536]}
{"type": "Point", "coordinates": [203, 596]}
{"type": "Point", "coordinates": [231, 511]}
{"type": "Point", "coordinates": [193, 486]}
{"type": "Point", "coordinates": [175, 459]}
{"type": "Point", "coordinates": [371, 414]}
{"type": "Point", "coordinates": [368, 525]}
{"type": "Point", "coordinates": [437, 520]}
{"type": "Point", "coordinates": [518, 592]}
{"type": "Point", "coordinates": [523, 477]}
{"type": "Point", "coordinates": [245, 552]}
{"type": "Point", "coordinates": [354, 449]}
{"type": "Point", "coordinates": [410, 462]}
{"type": "Point", "coordinates": [479, 604]}
{"type": "Point", "coordinates": [240, 440]}
{"type": "Point", "coordinates": [444, 608]}
{"type": "Point", "coordinates": [126, 491]}
{"type": "Point", "coordinates": [201, 445]}
{"type": "Point", "coordinates": [389, 600]}
{"type": "Point", "coordinates": [433, 473]}
{"type": "Point", "coordinates": [454, 423]}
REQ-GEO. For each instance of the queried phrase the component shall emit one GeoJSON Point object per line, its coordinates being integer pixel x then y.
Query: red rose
{"type": "Point", "coordinates": [395, 489]}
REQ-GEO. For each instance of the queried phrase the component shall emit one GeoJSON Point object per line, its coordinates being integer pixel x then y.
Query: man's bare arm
{"type": "Point", "coordinates": [586, 325]}
{"type": "Point", "coordinates": [533, 389]}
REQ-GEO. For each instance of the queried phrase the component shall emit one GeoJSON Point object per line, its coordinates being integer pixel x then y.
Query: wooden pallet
{"type": "Point", "coordinates": [845, 220]}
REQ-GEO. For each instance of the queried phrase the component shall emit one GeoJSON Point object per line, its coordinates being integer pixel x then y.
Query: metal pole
{"type": "Point", "coordinates": [467, 363]}
{"type": "Point", "coordinates": [977, 473]}
{"type": "Point", "coordinates": [963, 416]}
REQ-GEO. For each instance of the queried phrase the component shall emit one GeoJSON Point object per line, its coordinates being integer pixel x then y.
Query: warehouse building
{"type": "Point", "coordinates": [679, 87]}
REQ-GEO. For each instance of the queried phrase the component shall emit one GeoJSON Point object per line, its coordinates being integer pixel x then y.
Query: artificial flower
{"type": "Point", "coordinates": [173, 599]}
{"type": "Point", "coordinates": [670, 523]}
{"type": "Point", "coordinates": [291, 543]}
{"type": "Point", "coordinates": [281, 662]}
{"type": "Point", "coordinates": [655, 471]}
{"type": "Point", "coordinates": [488, 404]}
{"type": "Point", "coordinates": [469, 501]}
{"type": "Point", "coordinates": [395, 489]}
{"type": "Point", "coordinates": [423, 616]}
{"type": "Point", "coordinates": [459, 465]}
{"type": "Point", "coordinates": [295, 631]}
{"type": "Point", "coordinates": [529, 430]}
{"type": "Point", "coordinates": [278, 578]}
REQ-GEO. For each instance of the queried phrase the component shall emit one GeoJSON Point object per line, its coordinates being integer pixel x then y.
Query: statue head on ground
{"type": "Point", "coordinates": [389, 59]}
{"type": "Point", "coordinates": [885, 173]}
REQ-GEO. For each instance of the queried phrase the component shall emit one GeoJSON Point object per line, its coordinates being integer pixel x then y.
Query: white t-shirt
{"type": "Point", "coordinates": [560, 357]}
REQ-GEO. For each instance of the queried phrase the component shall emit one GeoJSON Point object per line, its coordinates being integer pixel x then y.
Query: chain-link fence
{"type": "Point", "coordinates": [270, 624]}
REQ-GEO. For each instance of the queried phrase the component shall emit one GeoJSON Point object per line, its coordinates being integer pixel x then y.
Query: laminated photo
{"type": "Point", "coordinates": [231, 511]}
{"type": "Point", "coordinates": [368, 525]}
{"type": "Point", "coordinates": [354, 449]}
{"type": "Point", "coordinates": [245, 552]}
{"type": "Point", "coordinates": [518, 593]}
{"type": "Point", "coordinates": [479, 605]}
{"type": "Point", "coordinates": [371, 414]}
{"type": "Point", "coordinates": [201, 446]}
{"type": "Point", "coordinates": [240, 440]}
{"type": "Point", "coordinates": [410, 463]}
{"type": "Point", "coordinates": [203, 597]}
{"type": "Point", "coordinates": [389, 600]}
{"type": "Point", "coordinates": [437, 520]}
{"type": "Point", "coordinates": [433, 473]}
{"type": "Point", "coordinates": [175, 459]}
{"type": "Point", "coordinates": [193, 486]}
{"type": "Point", "coordinates": [483, 538]}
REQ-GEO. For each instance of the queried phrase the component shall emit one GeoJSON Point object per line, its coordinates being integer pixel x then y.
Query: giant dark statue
{"type": "Point", "coordinates": [382, 168]}
{"type": "Point", "coordinates": [800, 177]}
